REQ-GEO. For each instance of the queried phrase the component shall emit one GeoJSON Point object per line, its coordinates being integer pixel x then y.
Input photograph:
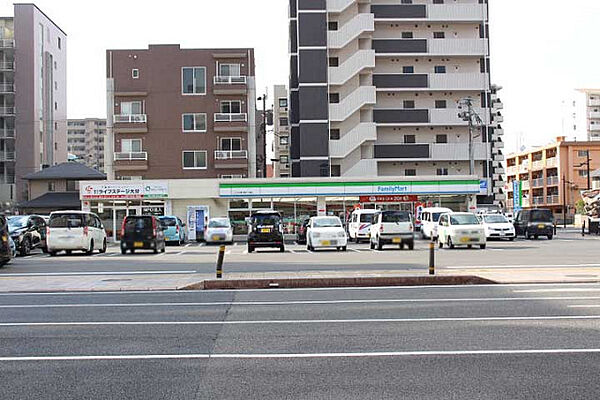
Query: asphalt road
{"type": "Point", "coordinates": [484, 342]}
{"type": "Point", "coordinates": [569, 249]}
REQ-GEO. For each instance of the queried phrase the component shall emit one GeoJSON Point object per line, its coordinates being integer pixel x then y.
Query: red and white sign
{"type": "Point", "coordinates": [389, 199]}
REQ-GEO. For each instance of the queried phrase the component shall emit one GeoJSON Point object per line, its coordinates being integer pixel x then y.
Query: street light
{"type": "Point", "coordinates": [473, 119]}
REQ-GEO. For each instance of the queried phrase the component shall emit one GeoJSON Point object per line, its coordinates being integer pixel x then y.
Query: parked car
{"type": "Point", "coordinates": [326, 232]}
{"type": "Point", "coordinates": [175, 229]}
{"type": "Point", "coordinates": [460, 229]}
{"type": "Point", "coordinates": [265, 230]}
{"type": "Point", "coordinates": [75, 230]}
{"type": "Point", "coordinates": [13, 247]}
{"type": "Point", "coordinates": [359, 227]}
{"type": "Point", "coordinates": [6, 253]}
{"type": "Point", "coordinates": [28, 232]}
{"type": "Point", "coordinates": [535, 223]}
{"type": "Point", "coordinates": [429, 221]}
{"type": "Point", "coordinates": [219, 230]}
{"type": "Point", "coordinates": [142, 232]}
{"type": "Point", "coordinates": [393, 227]}
{"type": "Point", "coordinates": [302, 229]}
{"type": "Point", "coordinates": [497, 226]}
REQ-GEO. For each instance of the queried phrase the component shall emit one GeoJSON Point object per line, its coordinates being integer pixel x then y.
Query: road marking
{"type": "Point", "coordinates": [301, 355]}
{"type": "Point", "coordinates": [301, 302]}
{"type": "Point", "coordinates": [96, 273]}
{"type": "Point", "coordinates": [522, 266]}
{"type": "Point", "coordinates": [300, 321]}
{"type": "Point", "coordinates": [558, 290]}
{"type": "Point", "coordinates": [586, 306]}
{"type": "Point", "coordinates": [354, 250]}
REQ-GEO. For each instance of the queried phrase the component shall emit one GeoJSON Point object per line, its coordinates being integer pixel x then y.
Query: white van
{"type": "Point", "coordinates": [75, 230]}
{"type": "Point", "coordinates": [359, 227]}
{"type": "Point", "coordinates": [429, 221]}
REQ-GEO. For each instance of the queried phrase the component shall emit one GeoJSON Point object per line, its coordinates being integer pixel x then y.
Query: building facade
{"type": "Point", "coordinates": [551, 176]}
{"type": "Point", "coordinates": [85, 141]}
{"type": "Point", "coordinates": [592, 113]}
{"type": "Point", "coordinates": [180, 113]}
{"type": "Point", "coordinates": [375, 87]}
{"type": "Point", "coordinates": [33, 98]}
{"type": "Point", "coordinates": [281, 130]}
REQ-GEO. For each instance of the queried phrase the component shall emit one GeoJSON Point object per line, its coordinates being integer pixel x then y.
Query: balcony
{"type": "Point", "coordinates": [412, 82]}
{"type": "Point", "coordinates": [7, 156]}
{"type": "Point", "coordinates": [134, 156]}
{"type": "Point", "coordinates": [363, 96]}
{"type": "Point", "coordinates": [524, 168]}
{"type": "Point", "coordinates": [230, 85]}
{"type": "Point", "coordinates": [359, 61]}
{"type": "Point", "coordinates": [7, 133]}
{"type": "Point", "coordinates": [416, 117]}
{"type": "Point", "coordinates": [430, 12]}
{"type": "Point", "coordinates": [7, 66]}
{"type": "Point", "coordinates": [430, 152]}
{"type": "Point", "coordinates": [432, 47]}
{"type": "Point", "coordinates": [551, 162]}
{"type": "Point", "coordinates": [231, 117]}
{"type": "Point", "coordinates": [356, 27]}
{"type": "Point", "coordinates": [6, 88]}
{"type": "Point", "coordinates": [594, 115]}
{"type": "Point", "coordinates": [363, 168]}
{"type": "Point", "coordinates": [538, 200]}
{"type": "Point", "coordinates": [7, 44]}
{"type": "Point", "coordinates": [8, 179]}
{"type": "Point", "coordinates": [594, 127]}
{"type": "Point", "coordinates": [231, 154]}
{"type": "Point", "coordinates": [230, 80]}
{"type": "Point", "coordinates": [552, 181]}
{"type": "Point", "coordinates": [363, 132]}
{"type": "Point", "coordinates": [525, 185]}
{"type": "Point", "coordinates": [134, 161]}
{"type": "Point", "coordinates": [511, 170]}
{"type": "Point", "coordinates": [458, 151]}
{"type": "Point", "coordinates": [538, 182]}
{"type": "Point", "coordinates": [537, 165]}
{"type": "Point", "coordinates": [594, 102]}
{"type": "Point", "coordinates": [553, 199]}
{"type": "Point", "coordinates": [130, 119]}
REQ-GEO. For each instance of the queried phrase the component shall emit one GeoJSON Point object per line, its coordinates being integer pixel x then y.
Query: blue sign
{"type": "Point", "coordinates": [517, 196]}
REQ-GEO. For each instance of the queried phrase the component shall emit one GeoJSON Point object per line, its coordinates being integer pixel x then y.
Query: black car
{"type": "Point", "coordinates": [28, 232]}
{"type": "Point", "coordinates": [142, 232]}
{"type": "Point", "coordinates": [535, 223]}
{"type": "Point", "coordinates": [5, 251]}
{"type": "Point", "coordinates": [265, 230]}
{"type": "Point", "coordinates": [302, 231]}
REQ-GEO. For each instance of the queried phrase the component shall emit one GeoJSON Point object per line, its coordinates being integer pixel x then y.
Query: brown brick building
{"type": "Point", "coordinates": [180, 113]}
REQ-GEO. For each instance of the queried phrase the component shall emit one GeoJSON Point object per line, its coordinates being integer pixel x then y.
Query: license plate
{"type": "Point", "coordinates": [465, 240]}
{"type": "Point", "coordinates": [325, 243]}
{"type": "Point", "coordinates": [541, 226]}
{"type": "Point", "coordinates": [5, 238]}
{"type": "Point", "coordinates": [215, 237]}
{"type": "Point", "coordinates": [265, 230]}
{"type": "Point", "coordinates": [138, 244]}
{"type": "Point", "coordinates": [397, 240]}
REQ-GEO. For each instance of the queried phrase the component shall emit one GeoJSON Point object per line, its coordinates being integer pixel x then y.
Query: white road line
{"type": "Point", "coordinates": [354, 250]}
{"type": "Point", "coordinates": [300, 321]}
{"type": "Point", "coordinates": [523, 266]}
{"type": "Point", "coordinates": [301, 355]}
{"type": "Point", "coordinates": [585, 306]}
{"type": "Point", "coordinates": [96, 273]}
{"type": "Point", "coordinates": [302, 302]}
{"type": "Point", "coordinates": [558, 290]}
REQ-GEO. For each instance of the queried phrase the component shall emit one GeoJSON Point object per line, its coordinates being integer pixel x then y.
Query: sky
{"type": "Point", "coordinates": [541, 49]}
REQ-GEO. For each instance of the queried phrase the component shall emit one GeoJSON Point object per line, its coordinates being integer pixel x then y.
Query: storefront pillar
{"type": "Point", "coordinates": [321, 206]}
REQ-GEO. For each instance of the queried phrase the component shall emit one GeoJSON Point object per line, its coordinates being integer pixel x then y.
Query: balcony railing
{"type": "Point", "coordinates": [594, 103]}
{"type": "Point", "coordinates": [230, 80]}
{"type": "Point", "coordinates": [512, 170]}
{"type": "Point", "coordinates": [134, 156]}
{"type": "Point", "coordinates": [7, 43]}
{"type": "Point", "coordinates": [552, 199]}
{"type": "Point", "coordinates": [551, 162]}
{"type": "Point", "coordinates": [231, 117]}
{"type": "Point", "coordinates": [553, 181]}
{"type": "Point", "coordinates": [231, 154]}
{"type": "Point", "coordinates": [7, 66]}
{"type": "Point", "coordinates": [525, 185]}
{"type": "Point", "coordinates": [539, 182]}
{"type": "Point", "coordinates": [130, 119]}
{"type": "Point", "coordinates": [537, 164]}
{"type": "Point", "coordinates": [7, 88]}
{"type": "Point", "coordinates": [7, 156]}
{"type": "Point", "coordinates": [538, 200]}
{"type": "Point", "coordinates": [7, 133]}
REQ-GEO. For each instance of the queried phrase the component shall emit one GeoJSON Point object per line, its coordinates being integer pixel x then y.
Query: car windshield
{"type": "Point", "coordinates": [436, 216]}
{"type": "Point", "coordinates": [218, 223]}
{"type": "Point", "coordinates": [368, 218]}
{"type": "Point", "coordinates": [464, 219]}
{"type": "Point", "coordinates": [495, 219]}
{"type": "Point", "coordinates": [17, 222]}
{"type": "Point", "coordinates": [541, 216]}
{"type": "Point", "coordinates": [327, 223]}
{"type": "Point", "coordinates": [168, 221]}
{"type": "Point", "coordinates": [266, 219]}
{"type": "Point", "coordinates": [395, 216]}
{"type": "Point", "coordinates": [66, 221]}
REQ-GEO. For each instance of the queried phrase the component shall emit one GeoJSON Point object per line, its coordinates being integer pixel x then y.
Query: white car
{"type": "Point", "coordinates": [219, 230]}
{"type": "Point", "coordinates": [461, 229]}
{"type": "Point", "coordinates": [359, 227]}
{"type": "Point", "coordinates": [75, 230]}
{"type": "Point", "coordinates": [393, 227]}
{"type": "Point", "coordinates": [326, 232]}
{"type": "Point", "coordinates": [429, 221]}
{"type": "Point", "coordinates": [497, 226]}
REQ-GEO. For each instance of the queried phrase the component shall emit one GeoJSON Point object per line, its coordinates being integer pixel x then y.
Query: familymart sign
{"type": "Point", "coordinates": [341, 189]}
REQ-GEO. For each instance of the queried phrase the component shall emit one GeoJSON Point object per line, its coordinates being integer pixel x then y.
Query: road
{"type": "Point", "coordinates": [485, 342]}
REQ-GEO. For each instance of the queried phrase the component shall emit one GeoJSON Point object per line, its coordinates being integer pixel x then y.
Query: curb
{"type": "Point", "coordinates": [295, 283]}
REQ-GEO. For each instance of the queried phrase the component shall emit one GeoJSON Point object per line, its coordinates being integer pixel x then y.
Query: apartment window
{"type": "Point", "coordinates": [332, 26]}
{"type": "Point", "coordinates": [231, 107]}
{"type": "Point", "coordinates": [408, 70]}
{"type": "Point", "coordinates": [59, 44]}
{"type": "Point", "coordinates": [334, 134]}
{"type": "Point", "coordinates": [408, 104]}
{"type": "Point", "coordinates": [283, 102]}
{"type": "Point", "coordinates": [582, 153]}
{"type": "Point", "coordinates": [336, 170]}
{"type": "Point", "coordinates": [55, 106]}
{"type": "Point", "coordinates": [194, 122]}
{"type": "Point", "coordinates": [439, 35]}
{"type": "Point", "coordinates": [193, 80]}
{"type": "Point", "coordinates": [438, 1]}
{"type": "Point", "coordinates": [410, 139]}
{"type": "Point", "coordinates": [284, 159]}
{"type": "Point", "coordinates": [231, 144]}
{"type": "Point", "coordinates": [131, 107]}
{"type": "Point", "coordinates": [283, 121]}
{"type": "Point", "coordinates": [194, 159]}
{"type": "Point", "coordinates": [441, 138]}
{"type": "Point", "coordinates": [442, 171]}
{"type": "Point", "coordinates": [229, 70]}
{"type": "Point", "coordinates": [410, 172]}
{"type": "Point", "coordinates": [407, 35]}
{"type": "Point", "coordinates": [51, 187]}
{"type": "Point", "coordinates": [334, 62]}
{"type": "Point", "coordinates": [439, 69]}
{"type": "Point", "coordinates": [131, 145]}
{"type": "Point", "coordinates": [406, 2]}
{"type": "Point", "coordinates": [135, 73]}
{"type": "Point", "coordinates": [583, 173]}
{"type": "Point", "coordinates": [440, 104]}
{"type": "Point", "coordinates": [283, 140]}
{"type": "Point", "coordinates": [334, 98]}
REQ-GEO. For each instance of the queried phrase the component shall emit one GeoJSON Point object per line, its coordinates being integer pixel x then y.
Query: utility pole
{"type": "Point", "coordinates": [564, 201]}
{"type": "Point", "coordinates": [263, 128]}
{"type": "Point", "coordinates": [589, 184]}
{"type": "Point", "coordinates": [470, 116]}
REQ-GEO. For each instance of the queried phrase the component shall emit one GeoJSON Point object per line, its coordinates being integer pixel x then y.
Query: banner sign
{"type": "Point", "coordinates": [124, 190]}
{"type": "Point", "coordinates": [389, 199]}
{"type": "Point", "coordinates": [517, 195]}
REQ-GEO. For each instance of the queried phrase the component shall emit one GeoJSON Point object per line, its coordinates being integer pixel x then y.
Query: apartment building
{"type": "Point", "coordinates": [375, 87]}
{"type": "Point", "coordinates": [33, 98]}
{"type": "Point", "coordinates": [281, 130]}
{"type": "Point", "coordinates": [180, 113]}
{"type": "Point", "coordinates": [592, 112]}
{"type": "Point", "coordinates": [538, 176]}
{"type": "Point", "coordinates": [85, 141]}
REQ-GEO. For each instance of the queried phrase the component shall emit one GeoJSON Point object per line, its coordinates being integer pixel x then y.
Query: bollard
{"type": "Point", "coordinates": [583, 229]}
{"type": "Point", "coordinates": [220, 262]}
{"type": "Point", "coordinates": [432, 258]}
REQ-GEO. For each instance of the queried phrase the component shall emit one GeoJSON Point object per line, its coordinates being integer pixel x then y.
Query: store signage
{"type": "Point", "coordinates": [124, 190]}
{"type": "Point", "coordinates": [517, 195]}
{"type": "Point", "coordinates": [389, 199]}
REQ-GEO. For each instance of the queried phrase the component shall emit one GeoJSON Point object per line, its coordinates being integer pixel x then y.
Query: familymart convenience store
{"type": "Point", "coordinates": [196, 200]}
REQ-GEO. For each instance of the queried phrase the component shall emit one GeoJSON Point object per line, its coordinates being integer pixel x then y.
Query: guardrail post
{"type": "Point", "coordinates": [431, 258]}
{"type": "Point", "coordinates": [220, 262]}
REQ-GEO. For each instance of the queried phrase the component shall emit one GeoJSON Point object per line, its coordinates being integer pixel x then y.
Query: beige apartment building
{"type": "Point", "coordinates": [281, 129]}
{"type": "Point", "coordinates": [85, 141]}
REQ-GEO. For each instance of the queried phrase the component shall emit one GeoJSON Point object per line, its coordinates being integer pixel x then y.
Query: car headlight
{"type": "Point", "coordinates": [341, 234]}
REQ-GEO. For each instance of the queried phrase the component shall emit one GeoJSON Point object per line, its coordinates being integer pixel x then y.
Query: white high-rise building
{"type": "Point", "coordinates": [591, 110]}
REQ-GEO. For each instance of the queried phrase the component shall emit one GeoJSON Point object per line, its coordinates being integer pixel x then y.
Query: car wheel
{"type": "Point", "coordinates": [90, 250]}
{"type": "Point", "coordinates": [345, 248]}
{"type": "Point", "coordinates": [379, 245]}
{"type": "Point", "coordinates": [163, 247]}
{"type": "Point", "coordinates": [482, 246]}
{"type": "Point", "coordinates": [45, 249]}
{"type": "Point", "coordinates": [469, 246]}
{"type": "Point", "coordinates": [25, 248]}
{"type": "Point", "coordinates": [155, 247]}
{"type": "Point", "coordinates": [132, 251]}
{"type": "Point", "coordinates": [123, 251]}
{"type": "Point", "coordinates": [52, 254]}
{"type": "Point", "coordinates": [440, 243]}
{"type": "Point", "coordinates": [69, 252]}
{"type": "Point", "coordinates": [450, 244]}
{"type": "Point", "coordinates": [103, 249]}
{"type": "Point", "coordinates": [401, 246]}
{"type": "Point", "coordinates": [550, 237]}
{"type": "Point", "coordinates": [536, 237]}
{"type": "Point", "coordinates": [372, 245]}
{"type": "Point", "coordinates": [411, 245]}
{"type": "Point", "coordinates": [250, 249]}
{"type": "Point", "coordinates": [512, 239]}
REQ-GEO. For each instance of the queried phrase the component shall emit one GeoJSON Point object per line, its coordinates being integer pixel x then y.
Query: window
{"type": "Point", "coordinates": [334, 62]}
{"type": "Point", "coordinates": [334, 98]}
{"type": "Point", "coordinates": [408, 70]}
{"type": "Point", "coordinates": [409, 104]}
{"type": "Point", "coordinates": [439, 35]}
{"type": "Point", "coordinates": [131, 107]}
{"type": "Point", "coordinates": [283, 140]}
{"type": "Point", "coordinates": [334, 134]}
{"type": "Point", "coordinates": [439, 69]}
{"type": "Point", "coordinates": [582, 153]}
{"type": "Point", "coordinates": [229, 70]}
{"type": "Point", "coordinates": [193, 80]}
{"type": "Point", "coordinates": [51, 186]}
{"type": "Point", "coordinates": [441, 138]}
{"type": "Point", "coordinates": [131, 145]}
{"type": "Point", "coordinates": [332, 26]}
{"type": "Point", "coordinates": [135, 73]}
{"type": "Point", "coordinates": [406, 2]}
{"type": "Point", "coordinates": [583, 173]}
{"type": "Point", "coordinates": [410, 139]}
{"type": "Point", "coordinates": [194, 122]}
{"type": "Point", "coordinates": [194, 159]}
{"type": "Point", "coordinates": [442, 171]}
{"type": "Point", "coordinates": [231, 144]}
{"type": "Point", "coordinates": [336, 170]}
{"type": "Point", "coordinates": [283, 102]}
{"type": "Point", "coordinates": [407, 35]}
{"type": "Point", "coordinates": [440, 104]}
{"type": "Point", "coordinates": [283, 121]}
{"type": "Point", "coordinates": [410, 172]}
{"type": "Point", "coordinates": [438, 1]}
{"type": "Point", "coordinates": [59, 44]}
{"type": "Point", "coordinates": [231, 107]}
{"type": "Point", "coordinates": [284, 159]}
{"type": "Point", "coordinates": [72, 186]}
